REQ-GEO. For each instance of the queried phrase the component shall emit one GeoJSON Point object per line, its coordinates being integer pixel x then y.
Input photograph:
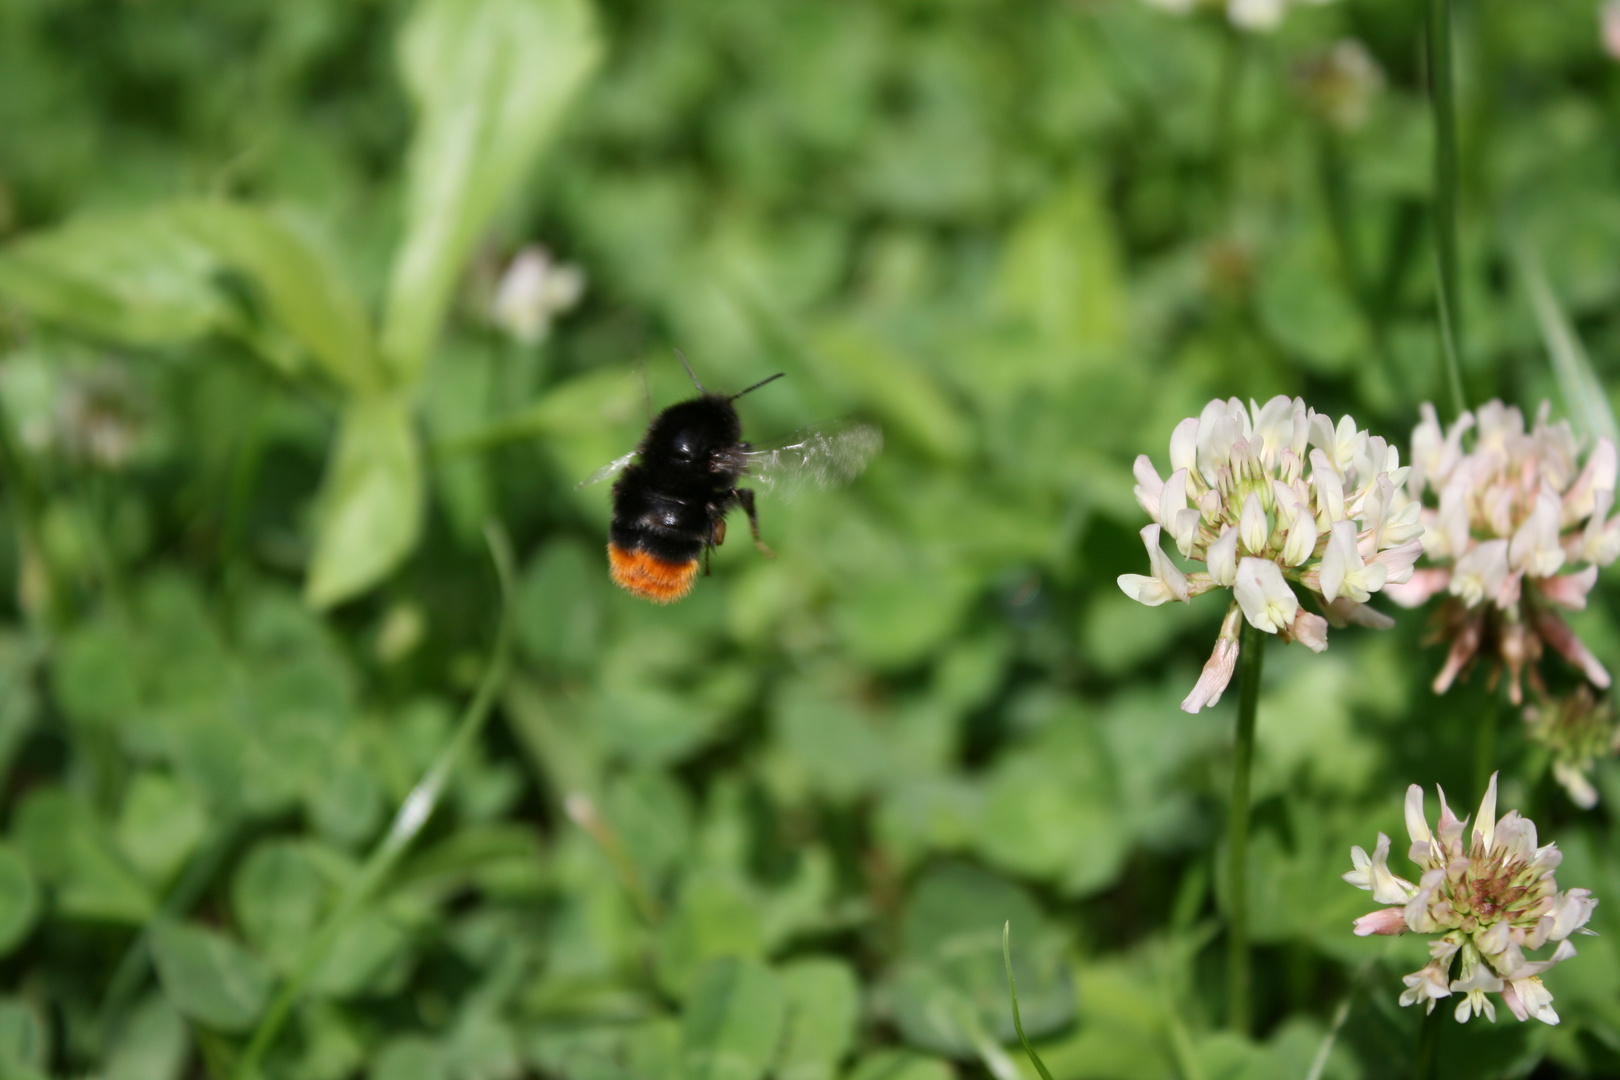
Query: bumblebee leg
{"type": "Point", "coordinates": [745, 498]}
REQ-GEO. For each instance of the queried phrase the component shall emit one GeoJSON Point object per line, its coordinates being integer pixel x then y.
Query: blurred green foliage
{"type": "Point", "coordinates": [255, 412]}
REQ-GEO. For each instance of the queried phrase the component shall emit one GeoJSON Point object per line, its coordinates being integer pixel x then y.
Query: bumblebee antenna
{"type": "Point", "coordinates": [690, 372]}
{"type": "Point", "coordinates": [756, 386]}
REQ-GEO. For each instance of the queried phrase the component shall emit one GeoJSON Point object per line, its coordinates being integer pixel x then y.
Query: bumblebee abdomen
{"type": "Point", "coordinates": [652, 575]}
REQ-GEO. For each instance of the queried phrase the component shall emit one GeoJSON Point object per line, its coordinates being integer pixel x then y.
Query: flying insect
{"type": "Point", "coordinates": [675, 489]}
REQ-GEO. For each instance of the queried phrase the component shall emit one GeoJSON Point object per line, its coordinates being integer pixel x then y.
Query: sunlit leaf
{"type": "Point", "coordinates": [490, 80]}
{"type": "Point", "coordinates": [370, 504]}
{"type": "Point", "coordinates": [303, 291]}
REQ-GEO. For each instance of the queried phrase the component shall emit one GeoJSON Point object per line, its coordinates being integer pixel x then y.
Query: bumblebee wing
{"type": "Point", "coordinates": [823, 455]}
{"type": "Point", "coordinates": [611, 469]}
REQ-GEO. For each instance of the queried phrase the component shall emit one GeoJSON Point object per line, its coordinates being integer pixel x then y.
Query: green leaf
{"type": "Point", "coordinates": [370, 505]}
{"type": "Point", "coordinates": [951, 944]}
{"type": "Point", "coordinates": [209, 977]}
{"type": "Point", "coordinates": [716, 916]}
{"type": "Point", "coordinates": [410, 1057]}
{"type": "Point", "coordinates": [160, 826]}
{"type": "Point", "coordinates": [871, 369]}
{"type": "Point", "coordinates": [25, 1042]}
{"type": "Point", "coordinates": [490, 80]}
{"type": "Point", "coordinates": [824, 1003]}
{"type": "Point", "coordinates": [303, 291]}
{"type": "Point", "coordinates": [900, 1065]}
{"type": "Point", "coordinates": [70, 850]}
{"type": "Point", "coordinates": [277, 894]}
{"type": "Point", "coordinates": [19, 898]}
{"type": "Point", "coordinates": [733, 1021]}
{"type": "Point", "coordinates": [152, 1044]}
{"type": "Point", "coordinates": [141, 278]}
{"type": "Point", "coordinates": [1060, 274]}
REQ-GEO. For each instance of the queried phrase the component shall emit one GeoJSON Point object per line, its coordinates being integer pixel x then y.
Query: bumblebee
{"type": "Point", "coordinates": [678, 485]}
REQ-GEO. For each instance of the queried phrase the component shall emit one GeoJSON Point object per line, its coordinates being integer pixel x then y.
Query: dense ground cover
{"type": "Point", "coordinates": [258, 419]}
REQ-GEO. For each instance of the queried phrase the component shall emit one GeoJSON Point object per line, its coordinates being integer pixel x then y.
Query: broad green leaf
{"type": "Point", "coordinates": [410, 1057]}
{"type": "Point", "coordinates": [152, 1043]}
{"type": "Point", "coordinates": [370, 505]}
{"type": "Point", "coordinates": [900, 1065]}
{"type": "Point", "coordinates": [25, 1041]}
{"type": "Point", "coordinates": [209, 977]}
{"type": "Point", "coordinates": [1050, 809]}
{"type": "Point", "coordinates": [824, 1004]}
{"type": "Point", "coordinates": [951, 944]}
{"type": "Point", "coordinates": [716, 916]}
{"type": "Point", "coordinates": [19, 898]}
{"type": "Point", "coordinates": [137, 278]}
{"type": "Point", "coordinates": [490, 80]}
{"type": "Point", "coordinates": [561, 605]}
{"type": "Point", "coordinates": [1060, 274]}
{"type": "Point", "coordinates": [160, 826]}
{"type": "Point", "coordinates": [277, 894]}
{"type": "Point", "coordinates": [303, 291]}
{"type": "Point", "coordinates": [873, 370]}
{"type": "Point", "coordinates": [70, 850]}
{"type": "Point", "coordinates": [733, 1021]}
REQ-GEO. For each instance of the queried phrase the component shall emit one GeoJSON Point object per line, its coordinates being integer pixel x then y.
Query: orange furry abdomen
{"type": "Point", "coordinates": [649, 577]}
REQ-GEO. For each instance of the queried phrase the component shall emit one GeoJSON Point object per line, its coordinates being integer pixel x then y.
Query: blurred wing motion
{"type": "Point", "coordinates": [824, 456]}
{"type": "Point", "coordinates": [611, 469]}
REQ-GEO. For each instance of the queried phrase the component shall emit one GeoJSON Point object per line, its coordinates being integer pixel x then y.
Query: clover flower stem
{"type": "Point", "coordinates": [1485, 742]}
{"type": "Point", "coordinates": [412, 815]}
{"type": "Point", "coordinates": [1237, 918]}
{"type": "Point", "coordinates": [1442, 97]}
{"type": "Point", "coordinates": [1427, 1056]}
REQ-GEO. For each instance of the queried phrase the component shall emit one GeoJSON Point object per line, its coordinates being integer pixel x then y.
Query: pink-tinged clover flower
{"type": "Point", "coordinates": [1488, 901]}
{"type": "Point", "coordinates": [1609, 21]}
{"type": "Point", "coordinates": [1517, 529]}
{"type": "Point", "coordinates": [1275, 500]}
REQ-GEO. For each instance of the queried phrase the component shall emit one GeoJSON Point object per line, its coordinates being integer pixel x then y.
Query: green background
{"type": "Point", "coordinates": [253, 244]}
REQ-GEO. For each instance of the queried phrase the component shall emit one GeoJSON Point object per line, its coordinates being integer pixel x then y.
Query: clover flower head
{"type": "Point", "coordinates": [533, 291]}
{"type": "Point", "coordinates": [1271, 498]}
{"type": "Point", "coordinates": [1340, 84]}
{"type": "Point", "coordinates": [1517, 527]}
{"type": "Point", "coordinates": [1609, 20]}
{"type": "Point", "coordinates": [1577, 730]}
{"type": "Point", "coordinates": [1254, 15]}
{"type": "Point", "coordinates": [1489, 900]}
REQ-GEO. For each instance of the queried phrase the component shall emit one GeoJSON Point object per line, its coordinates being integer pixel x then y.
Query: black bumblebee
{"type": "Point", "coordinates": [670, 506]}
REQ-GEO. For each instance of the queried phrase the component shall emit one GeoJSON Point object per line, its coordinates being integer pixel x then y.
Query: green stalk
{"type": "Point", "coordinates": [1428, 1048]}
{"type": "Point", "coordinates": [1252, 652]}
{"type": "Point", "coordinates": [413, 814]}
{"type": "Point", "coordinates": [1442, 96]}
{"type": "Point", "coordinates": [1012, 990]}
{"type": "Point", "coordinates": [1485, 743]}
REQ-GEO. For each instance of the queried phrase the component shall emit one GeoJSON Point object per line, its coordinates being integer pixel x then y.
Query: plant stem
{"type": "Point", "coordinates": [1485, 744]}
{"type": "Point", "coordinates": [1252, 652]}
{"type": "Point", "coordinates": [1442, 97]}
{"type": "Point", "coordinates": [1428, 1048]}
{"type": "Point", "coordinates": [413, 814]}
{"type": "Point", "coordinates": [1012, 992]}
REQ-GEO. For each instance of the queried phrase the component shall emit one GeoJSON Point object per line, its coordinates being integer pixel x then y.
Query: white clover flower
{"type": "Point", "coordinates": [1609, 19]}
{"type": "Point", "coordinates": [1519, 528]}
{"type": "Point", "coordinates": [1489, 902]}
{"type": "Point", "coordinates": [532, 292]}
{"type": "Point", "coordinates": [1253, 15]}
{"type": "Point", "coordinates": [1242, 500]}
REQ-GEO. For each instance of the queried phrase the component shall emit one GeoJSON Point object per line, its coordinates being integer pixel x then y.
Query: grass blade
{"type": "Point", "coordinates": [413, 814]}
{"type": "Point", "coordinates": [1442, 96]}
{"type": "Point", "coordinates": [1583, 392]}
{"type": "Point", "coordinates": [1012, 990]}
